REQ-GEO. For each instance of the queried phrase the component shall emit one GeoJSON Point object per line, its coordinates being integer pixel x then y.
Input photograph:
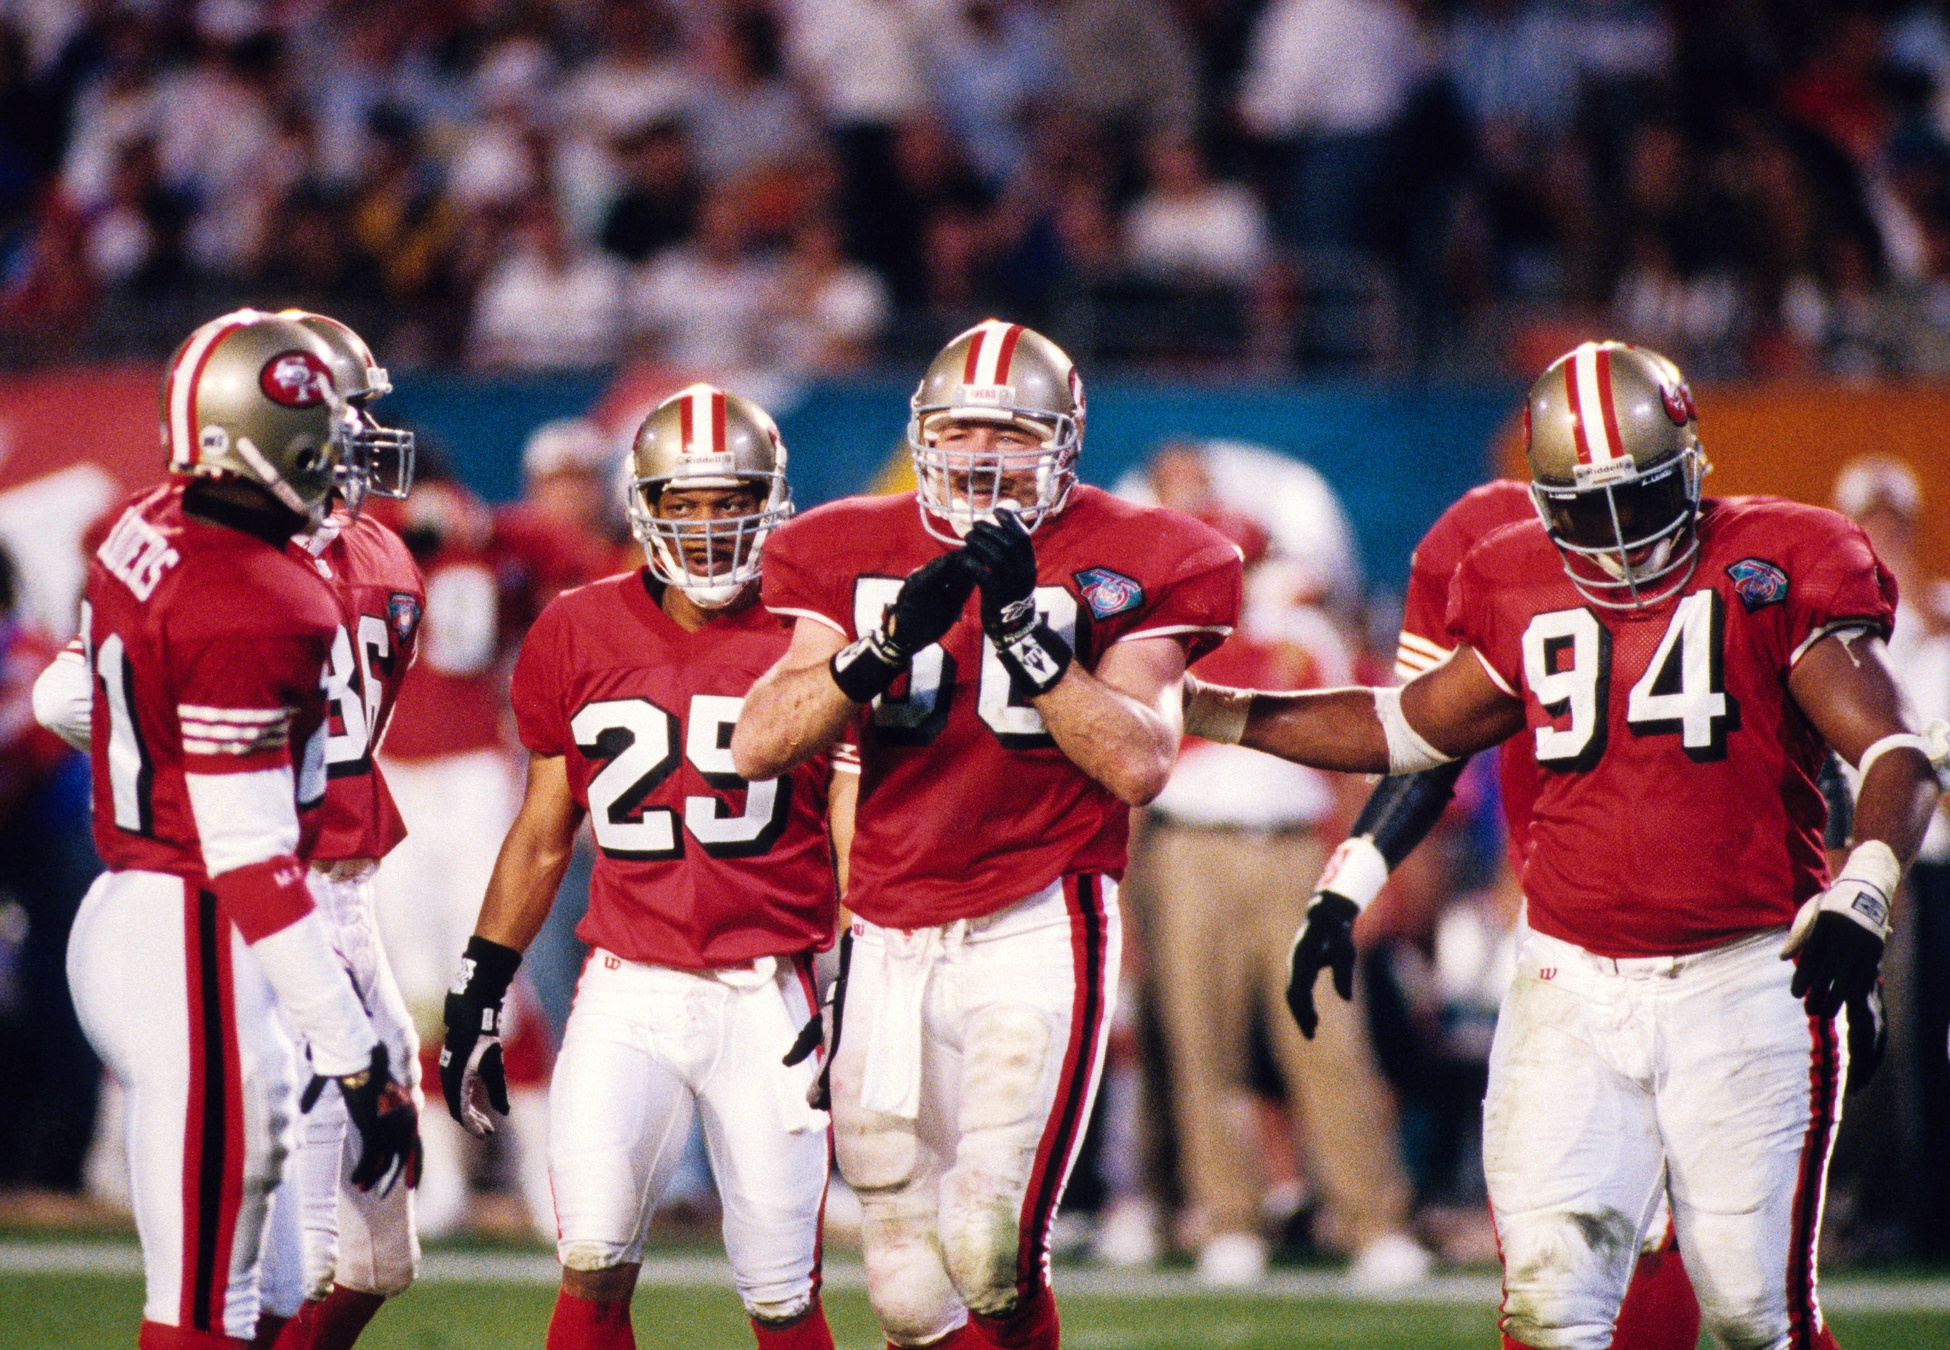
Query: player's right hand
{"type": "Point", "coordinates": [1325, 940]}
{"type": "Point", "coordinates": [1868, 1037]}
{"type": "Point", "coordinates": [927, 606]}
{"type": "Point", "coordinates": [471, 1074]}
{"type": "Point", "coordinates": [381, 1109]}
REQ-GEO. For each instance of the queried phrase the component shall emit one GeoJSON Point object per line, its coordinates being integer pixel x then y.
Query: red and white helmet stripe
{"type": "Point", "coordinates": [700, 421]}
{"type": "Point", "coordinates": [1587, 381]}
{"type": "Point", "coordinates": [991, 353]}
{"type": "Point", "coordinates": [184, 376]}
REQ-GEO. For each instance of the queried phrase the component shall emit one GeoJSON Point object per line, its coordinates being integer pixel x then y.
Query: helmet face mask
{"type": "Point", "coordinates": [378, 460]}
{"type": "Point", "coordinates": [695, 456]}
{"type": "Point", "coordinates": [1616, 470]}
{"type": "Point", "coordinates": [1007, 377]}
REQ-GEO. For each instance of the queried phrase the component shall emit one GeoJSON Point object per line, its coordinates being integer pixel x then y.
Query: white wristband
{"type": "Point", "coordinates": [1214, 712]}
{"type": "Point", "coordinates": [1862, 889]}
{"type": "Point", "coordinates": [1407, 751]}
{"type": "Point", "coordinates": [1356, 870]}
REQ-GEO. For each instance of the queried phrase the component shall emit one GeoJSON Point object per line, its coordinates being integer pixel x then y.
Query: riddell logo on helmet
{"type": "Point", "coordinates": [295, 379]}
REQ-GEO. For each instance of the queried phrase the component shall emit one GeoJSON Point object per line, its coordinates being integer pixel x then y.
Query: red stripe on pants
{"type": "Point", "coordinates": [213, 1118]}
{"type": "Point", "coordinates": [1804, 1319]}
{"type": "Point", "coordinates": [1054, 1153]}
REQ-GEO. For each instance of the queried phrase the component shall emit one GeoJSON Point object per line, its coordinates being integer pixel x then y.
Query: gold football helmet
{"type": "Point", "coordinates": [253, 395]}
{"type": "Point", "coordinates": [1616, 467]}
{"type": "Point", "coordinates": [378, 459]}
{"type": "Point", "coordinates": [1003, 373]}
{"type": "Point", "coordinates": [704, 437]}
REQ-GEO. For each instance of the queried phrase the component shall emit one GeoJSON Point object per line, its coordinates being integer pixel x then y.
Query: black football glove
{"type": "Point", "coordinates": [471, 1076]}
{"type": "Point", "coordinates": [1868, 1035]}
{"type": "Point", "coordinates": [929, 603]}
{"type": "Point", "coordinates": [1836, 944]}
{"type": "Point", "coordinates": [1004, 561]}
{"type": "Point", "coordinates": [381, 1110]}
{"type": "Point", "coordinates": [823, 1029]}
{"type": "Point", "coordinates": [1325, 940]}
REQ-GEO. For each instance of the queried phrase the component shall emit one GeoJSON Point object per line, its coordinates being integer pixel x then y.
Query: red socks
{"type": "Point", "coordinates": [332, 1323]}
{"type": "Point", "coordinates": [807, 1332]}
{"type": "Point", "coordinates": [584, 1324]}
{"type": "Point", "coordinates": [1660, 1311]}
{"type": "Point", "coordinates": [156, 1336]}
{"type": "Point", "coordinates": [1032, 1326]}
{"type": "Point", "coordinates": [269, 1326]}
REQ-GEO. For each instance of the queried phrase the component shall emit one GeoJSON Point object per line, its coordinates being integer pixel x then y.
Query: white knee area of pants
{"type": "Point", "coordinates": [778, 1312]}
{"type": "Point", "coordinates": [909, 1290]}
{"type": "Point", "coordinates": [586, 1256]}
{"type": "Point", "coordinates": [1564, 1276]}
{"type": "Point", "coordinates": [379, 1249]}
{"type": "Point", "coordinates": [1004, 1091]}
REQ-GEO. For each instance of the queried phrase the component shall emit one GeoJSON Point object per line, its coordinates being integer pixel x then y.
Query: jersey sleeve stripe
{"type": "Point", "coordinates": [1838, 627]}
{"type": "Point", "coordinates": [1416, 643]}
{"type": "Point", "coordinates": [1173, 630]}
{"type": "Point", "coordinates": [1490, 671]}
{"type": "Point", "coordinates": [196, 712]}
{"type": "Point", "coordinates": [807, 614]}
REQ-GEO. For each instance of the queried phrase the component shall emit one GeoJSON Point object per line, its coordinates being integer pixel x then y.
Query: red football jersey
{"type": "Point", "coordinates": [696, 868]}
{"type": "Point", "coordinates": [208, 648]}
{"type": "Point", "coordinates": [383, 596]}
{"type": "Point", "coordinates": [1425, 642]}
{"type": "Point", "coordinates": [1677, 807]}
{"type": "Point", "coordinates": [966, 804]}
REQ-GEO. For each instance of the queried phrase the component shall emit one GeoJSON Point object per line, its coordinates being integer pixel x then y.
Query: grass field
{"type": "Point", "coordinates": [88, 1300]}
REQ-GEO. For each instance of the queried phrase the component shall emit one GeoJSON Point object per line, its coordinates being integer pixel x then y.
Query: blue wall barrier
{"type": "Point", "coordinates": [1396, 455]}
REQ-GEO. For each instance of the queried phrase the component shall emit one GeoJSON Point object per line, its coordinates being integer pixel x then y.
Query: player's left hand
{"type": "Point", "coordinates": [1325, 941]}
{"type": "Point", "coordinates": [471, 1076]}
{"type": "Point", "coordinates": [1868, 1035]}
{"type": "Point", "coordinates": [1836, 945]}
{"type": "Point", "coordinates": [1004, 563]}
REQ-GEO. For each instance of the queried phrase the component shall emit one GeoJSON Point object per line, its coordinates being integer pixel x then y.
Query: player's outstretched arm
{"type": "Point", "coordinates": [527, 873]}
{"type": "Point", "coordinates": [795, 709]}
{"type": "Point", "coordinates": [1447, 714]}
{"type": "Point", "coordinates": [1843, 685]}
{"type": "Point", "coordinates": [64, 697]}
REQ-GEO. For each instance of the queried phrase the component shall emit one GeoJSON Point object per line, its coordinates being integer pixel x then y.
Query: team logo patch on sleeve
{"type": "Point", "coordinates": [403, 612]}
{"type": "Point", "coordinates": [1758, 583]}
{"type": "Point", "coordinates": [1108, 592]}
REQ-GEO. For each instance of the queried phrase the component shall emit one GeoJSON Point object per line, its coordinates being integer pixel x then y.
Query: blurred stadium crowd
{"type": "Point", "coordinates": [804, 185]}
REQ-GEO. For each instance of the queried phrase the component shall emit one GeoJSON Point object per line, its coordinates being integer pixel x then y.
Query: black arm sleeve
{"type": "Point", "coordinates": [1403, 808]}
{"type": "Point", "coordinates": [1841, 806]}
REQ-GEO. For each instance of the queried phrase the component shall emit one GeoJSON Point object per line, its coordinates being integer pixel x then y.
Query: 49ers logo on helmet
{"type": "Point", "coordinates": [1679, 403]}
{"type": "Point", "coordinates": [295, 379]}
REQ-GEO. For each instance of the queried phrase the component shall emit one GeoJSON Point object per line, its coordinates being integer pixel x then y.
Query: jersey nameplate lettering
{"type": "Point", "coordinates": [137, 554]}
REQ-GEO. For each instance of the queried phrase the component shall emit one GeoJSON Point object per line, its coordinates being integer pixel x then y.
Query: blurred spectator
{"type": "Point", "coordinates": [1325, 81]}
{"type": "Point", "coordinates": [1883, 495]}
{"type": "Point", "coordinates": [47, 861]}
{"type": "Point", "coordinates": [992, 61]}
{"type": "Point", "coordinates": [637, 78]}
{"type": "Point", "coordinates": [657, 207]}
{"type": "Point", "coordinates": [827, 311]}
{"type": "Point", "coordinates": [135, 237]}
{"type": "Point", "coordinates": [1230, 851]}
{"type": "Point", "coordinates": [746, 119]}
{"type": "Point", "coordinates": [1124, 66]}
{"type": "Point", "coordinates": [931, 183]}
{"type": "Point", "coordinates": [550, 303]}
{"type": "Point", "coordinates": [570, 472]}
{"type": "Point", "coordinates": [1187, 227]}
{"type": "Point", "coordinates": [703, 304]}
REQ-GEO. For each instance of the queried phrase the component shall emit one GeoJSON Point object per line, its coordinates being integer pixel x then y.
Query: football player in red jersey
{"type": "Point", "coordinates": [1659, 1311]}
{"type": "Point", "coordinates": [710, 894]}
{"type": "Point", "coordinates": [1000, 752]}
{"type": "Point", "coordinates": [382, 597]}
{"type": "Point", "coordinates": [211, 645]}
{"type": "Point", "coordinates": [1681, 666]}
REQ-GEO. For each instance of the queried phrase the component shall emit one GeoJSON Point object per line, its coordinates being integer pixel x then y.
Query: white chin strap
{"type": "Point", "coordinates": [714, 597]}
{"type": "Point", "coordinates": [962, 516]}
{"type": "Point", "coordinates": [1654, 560]}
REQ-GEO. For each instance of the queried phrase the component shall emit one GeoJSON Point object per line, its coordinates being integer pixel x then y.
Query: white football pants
{"type": "Point", "coordinates": [968, 1059]}
{"type": "Point", "coordinates": [323, 1229]}
{"type": "Point", "coordinates": [646, 1046]}
{"type": "Point", "coordinates": [1608, 1077]}
{"type": "Point", "coordinates": [178, 1009]}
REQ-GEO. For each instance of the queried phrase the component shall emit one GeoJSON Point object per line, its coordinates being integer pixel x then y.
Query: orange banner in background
{"type": "Point", "coordinates": [1790, 440]}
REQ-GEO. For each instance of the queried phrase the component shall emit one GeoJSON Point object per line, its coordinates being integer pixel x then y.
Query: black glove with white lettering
{"type": "Point", "coordinates": [471, 1076]}
{"type": "Point", "coordinates": [929, 603]}
{"type": "Point", "coordinates": [1326, 941]}
{"type": "Point", "coordinates": [1004, 561]}
{"type": "Point", "coordinates": [381, 1110]}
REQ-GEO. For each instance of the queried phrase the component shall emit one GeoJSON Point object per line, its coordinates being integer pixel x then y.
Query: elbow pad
{"type": "Point", "coordinates": [64, 698]}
